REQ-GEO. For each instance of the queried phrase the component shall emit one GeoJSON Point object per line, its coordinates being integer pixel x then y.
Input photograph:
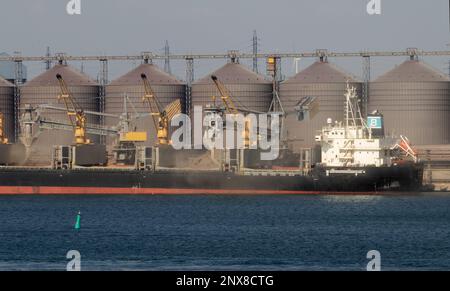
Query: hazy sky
{"type": "Point", "coordinates": [202, 26]}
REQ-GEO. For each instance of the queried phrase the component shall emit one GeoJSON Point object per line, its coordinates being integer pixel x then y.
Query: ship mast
{"type": "Point", "coordinates": [353, 114]}
{"type": "Point", "coordinates": [350, 120]}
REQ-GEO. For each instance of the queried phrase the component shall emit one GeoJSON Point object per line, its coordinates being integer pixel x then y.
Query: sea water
{"type": "Point", "coordinates": [411, 232]}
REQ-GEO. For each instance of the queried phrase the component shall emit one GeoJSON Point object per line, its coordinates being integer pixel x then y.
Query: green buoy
{"type": "Point", "coordinates": [77, 223]}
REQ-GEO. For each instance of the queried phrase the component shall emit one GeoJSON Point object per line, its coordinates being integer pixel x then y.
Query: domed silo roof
{"type": "Point", "coordinates": [327, 83]}
{"type": "Point", "coordinates": [4, 83]}
{"type": "Point", "coordinates": [248, 89]}
{"type": "Point", "coordinates": [44, 89]}
{"type": "Point", "coordinates": [415, 101]}
{"type": "Point", "coordinates": [166, 87]}
{"type": "Point", "coordinates": [71, 76]}
{"type": "Point", "coordinates": [412, 71]}
{"type": "Point", "coordinates": [7, 108]}
{"type": "Point", "coordinates": [155, 76]}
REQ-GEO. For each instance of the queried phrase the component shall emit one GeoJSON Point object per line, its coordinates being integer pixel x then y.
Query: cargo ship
{"type": "Point", "coordinates": [356, 157]}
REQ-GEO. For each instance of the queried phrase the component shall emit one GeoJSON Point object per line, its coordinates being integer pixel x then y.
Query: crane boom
{"type": "Point", "coordinates": [161, 116]}
{"type": "Point", "coordinates": [225, 96]}
{"type": "Point", "coordinates": [86, 112]}
{"type": "Point", "coordinates": [95, 130]}
{"type": "Point", "coordinates": [227, 99]}
{"type": "Point", "coordinates": [151, 100]}
{"type": "Point", "coordinates": [232, 109]}
{"type": "Point", "coordinates": [75, 113]}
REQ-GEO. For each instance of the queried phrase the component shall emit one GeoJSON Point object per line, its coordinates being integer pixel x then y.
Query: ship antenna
{"type": "Point", "coordinates": [346, 111]}
{"type": "Point", "coordinates": [349, 112]}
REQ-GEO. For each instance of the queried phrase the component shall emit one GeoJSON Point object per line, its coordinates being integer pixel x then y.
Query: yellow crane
{"type": "Point", "coordinates": [3, 138]}
{"type": "Point", "coordinates": [231, 108]}
{"type": "Point", "coordinates": [161, 116]}
{"type": "Point", "coordinates": [225, 96]}
{"type": "Point", "coordinates": [75, 113]}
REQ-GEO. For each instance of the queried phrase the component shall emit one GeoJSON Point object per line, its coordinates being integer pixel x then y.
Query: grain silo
{"type": "Point", "coordinates": [327, 84]}
{"type": "Point", "coordinates": [7, 108]}
{"type": "Point", "coordinates": [415, 101]}
{"type": "Point", "coordinates": [44, 89]}
{"type": "Point", "coordinates": [249, 90]}
{"type": "Point", "coordinates": [166, 87]}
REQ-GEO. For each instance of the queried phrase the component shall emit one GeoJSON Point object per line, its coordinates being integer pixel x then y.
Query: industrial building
{"type": "Point", "coordinates": [45, 89]}
{"type": "Point", "coordinates": [415, 101]}
{"type": "Point", "coordinates": [166, 87]}
{"type": "Point", "coordinates": [413, 97]}
{"type": "Point", "coordinates": [327, 84]}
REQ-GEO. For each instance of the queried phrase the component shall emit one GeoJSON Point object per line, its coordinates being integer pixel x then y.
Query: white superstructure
{"type": "Point", "coordinates": [350, 143]}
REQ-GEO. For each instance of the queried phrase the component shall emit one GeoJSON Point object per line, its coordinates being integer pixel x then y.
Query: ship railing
{"type": "Point", "coordinates": [271, 172]}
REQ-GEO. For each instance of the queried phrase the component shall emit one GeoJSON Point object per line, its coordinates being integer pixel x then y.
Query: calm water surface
{"type": "Point", "coordinates": [225, 232]}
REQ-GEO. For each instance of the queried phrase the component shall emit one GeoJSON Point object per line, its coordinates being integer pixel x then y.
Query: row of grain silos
{"type": "Point", "coordinates": [44, 89]}
{"type": "Point", "coordinates": [250, 90]}
{"type": "Point", "coordinates": [413, 97]}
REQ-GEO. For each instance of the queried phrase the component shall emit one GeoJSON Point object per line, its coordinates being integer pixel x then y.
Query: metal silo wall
{"type": "Point", "coordinates": [7, 108]}
{"type": "Point", "coordinates": [114, 104]}
{"type": "Point", "coordinates": [419, 110]}
{"type": "Point", "coordinates": [330, 97]}
{"type": "Point", "coordinates": [86, 96]}
{"type": "Point", "coordinates": [252, 96]}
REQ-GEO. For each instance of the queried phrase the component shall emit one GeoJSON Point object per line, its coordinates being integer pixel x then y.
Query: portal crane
{"type": "Point", "coordinates": [75, 113]}
{"type": "Point", "coordinates": [231, 108]}
{"type": "Point", "coordinates": [161, 116]}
